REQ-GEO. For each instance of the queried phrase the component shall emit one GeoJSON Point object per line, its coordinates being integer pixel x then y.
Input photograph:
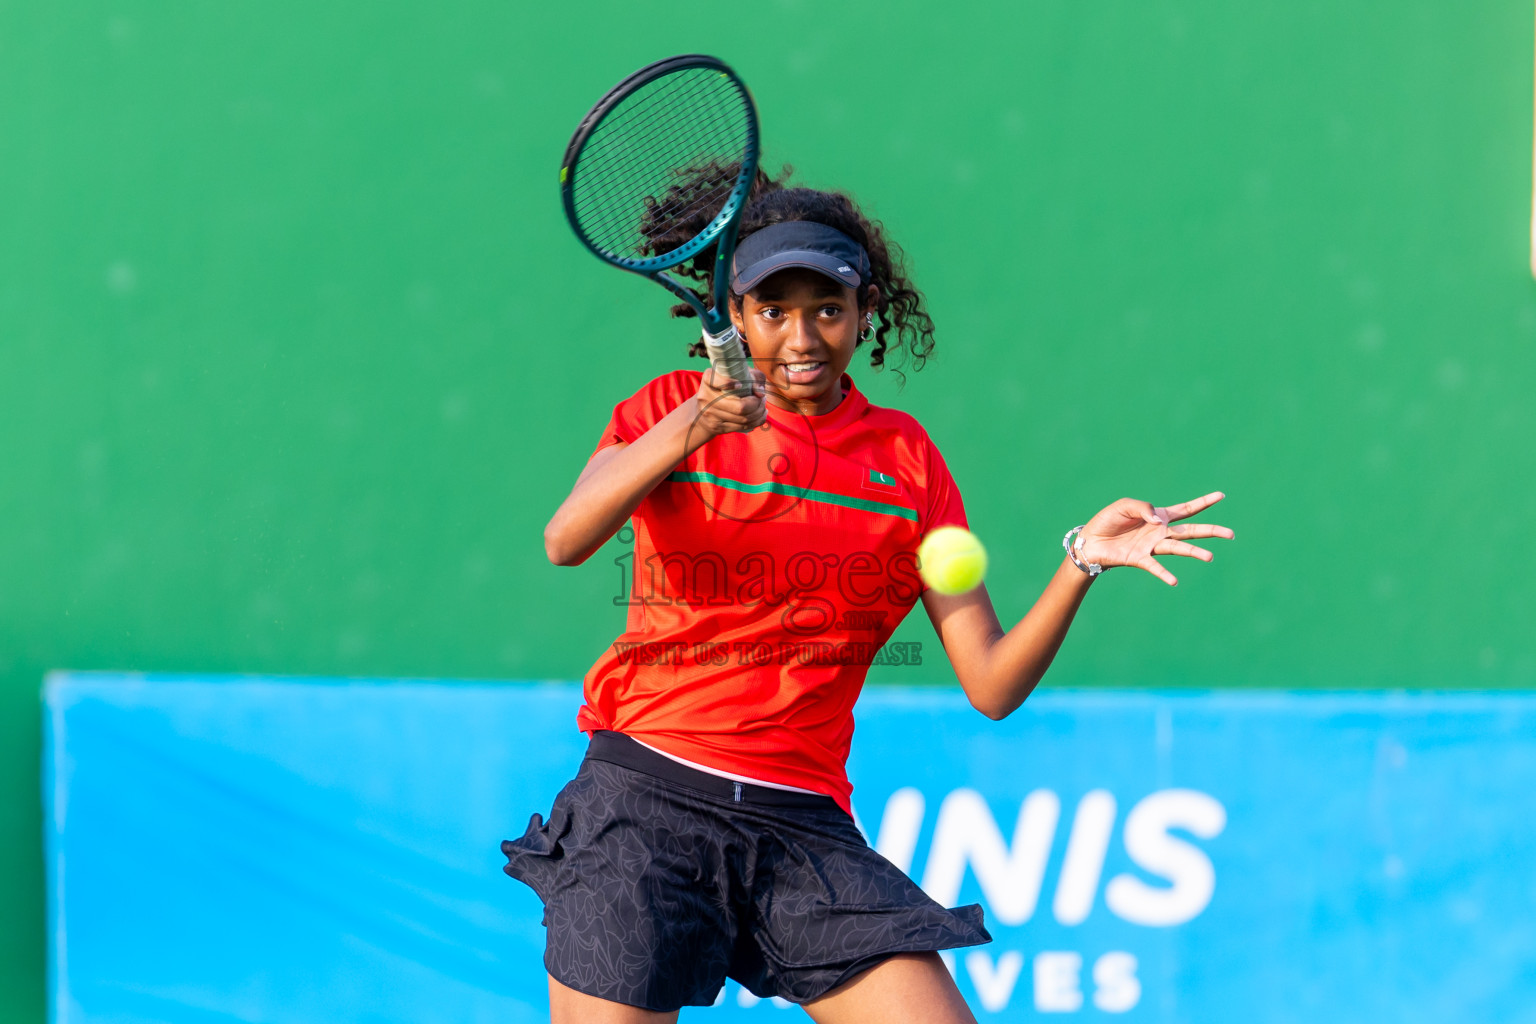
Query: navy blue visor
{"type": "Point", "coordinates": [798, 243]}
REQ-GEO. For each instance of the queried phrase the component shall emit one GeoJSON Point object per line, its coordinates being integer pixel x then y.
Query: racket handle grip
{"type": "Point", "coordinates": [727, 358]}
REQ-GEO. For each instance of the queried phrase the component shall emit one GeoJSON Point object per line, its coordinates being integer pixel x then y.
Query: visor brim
{"type": "Point", "coordinates": [831, 266]}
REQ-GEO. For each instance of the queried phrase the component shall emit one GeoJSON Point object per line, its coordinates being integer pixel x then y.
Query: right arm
{"type": "Point", "coordinates": [619, 476]}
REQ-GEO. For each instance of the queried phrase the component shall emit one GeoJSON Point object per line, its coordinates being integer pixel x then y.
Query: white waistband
{"type": "Point", "coordinates": [727, 775]}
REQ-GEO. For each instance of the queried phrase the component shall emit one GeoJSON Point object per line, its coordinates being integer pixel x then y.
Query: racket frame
{"type": "Point", "coordinates": [721, 230]}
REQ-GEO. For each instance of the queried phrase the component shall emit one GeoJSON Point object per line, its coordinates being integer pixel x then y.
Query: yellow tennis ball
{"type": "Point", "coordinates": [952, 560]}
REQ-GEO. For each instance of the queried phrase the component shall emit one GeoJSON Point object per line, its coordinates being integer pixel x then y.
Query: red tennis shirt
{"type": "Point", "coordinates": [769, 570]}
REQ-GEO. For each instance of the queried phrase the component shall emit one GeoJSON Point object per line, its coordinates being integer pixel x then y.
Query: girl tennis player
{"type": "Point", "coordinates": [708, 833]}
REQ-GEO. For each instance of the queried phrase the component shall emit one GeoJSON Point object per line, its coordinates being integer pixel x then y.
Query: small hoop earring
{"type": "Point", "coordinates": [869, 326]}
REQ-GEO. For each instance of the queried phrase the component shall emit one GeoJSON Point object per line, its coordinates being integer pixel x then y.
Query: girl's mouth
{"type": "Point", "coordinates": [804, 372]}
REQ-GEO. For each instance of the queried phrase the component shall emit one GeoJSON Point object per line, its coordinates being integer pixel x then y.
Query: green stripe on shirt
{"type": "Point", "coordinates": [773, 487]}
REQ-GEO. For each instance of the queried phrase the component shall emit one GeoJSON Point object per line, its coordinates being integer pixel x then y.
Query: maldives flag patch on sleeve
{"type": "Point", "coordinates": [878, 481]}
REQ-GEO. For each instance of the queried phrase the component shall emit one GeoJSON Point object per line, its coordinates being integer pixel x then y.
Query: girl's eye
{"type": "Point", "coordinates": [770, 313]}
{"type": "Point", "coordinates": [830, 311]}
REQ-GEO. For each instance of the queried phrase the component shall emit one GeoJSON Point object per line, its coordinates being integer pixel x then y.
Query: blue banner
{"type": "Point", "coordinates": [296, 851]}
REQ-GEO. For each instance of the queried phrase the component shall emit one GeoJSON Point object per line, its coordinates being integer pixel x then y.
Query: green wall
{"type": "Point", "coordinates": [288, 319]}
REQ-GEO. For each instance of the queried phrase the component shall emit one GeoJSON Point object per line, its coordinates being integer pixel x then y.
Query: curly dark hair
{"type": "Point", "coordinates": [903, 326]}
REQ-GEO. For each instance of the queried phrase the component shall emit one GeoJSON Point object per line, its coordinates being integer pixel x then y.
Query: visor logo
{"type": "Point", "coordinates": [845, 270]}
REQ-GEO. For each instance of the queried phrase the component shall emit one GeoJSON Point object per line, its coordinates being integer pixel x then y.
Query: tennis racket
{"type": "Point", "coordinates": [625, 163]}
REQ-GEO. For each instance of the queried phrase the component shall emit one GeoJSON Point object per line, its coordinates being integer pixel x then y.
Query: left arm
{"type": "Point", "coordinates": [999, 669]}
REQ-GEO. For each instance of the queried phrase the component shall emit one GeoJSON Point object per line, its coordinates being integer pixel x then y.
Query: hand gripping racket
{"type": "Point", "coordinates": [625, 165]}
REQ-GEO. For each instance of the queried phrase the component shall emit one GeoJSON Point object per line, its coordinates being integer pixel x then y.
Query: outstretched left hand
{"type": "Point", "coordinates": [1130, 532]}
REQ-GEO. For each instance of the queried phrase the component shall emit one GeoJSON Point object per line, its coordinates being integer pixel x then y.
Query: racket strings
{"type": "Point", "coordinates": [646, 165]}
{"type": "Point", "coordinates": [619, 212]}
{"type": "Point", "coordinates": [645, 118]}
{"type": "Point", "coordinates": [615, 207]}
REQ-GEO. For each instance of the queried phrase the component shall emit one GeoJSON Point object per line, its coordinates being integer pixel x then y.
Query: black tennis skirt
{"type": "Point", "coordinates": [660, 881]}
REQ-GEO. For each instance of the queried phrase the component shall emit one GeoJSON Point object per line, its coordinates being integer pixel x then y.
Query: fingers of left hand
{"type": "Point", "coordinates": [1178, 547]}
{"type": "Point", "coordinates": [1156, 569]}
{"type": "Point", "coordinates": [1189, 508]}
{"type": "Point", "coordinates": [1195, 531]}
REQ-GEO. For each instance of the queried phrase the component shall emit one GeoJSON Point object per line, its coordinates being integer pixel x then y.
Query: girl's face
{"type": "Point", "coordinates": [802, 328]}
